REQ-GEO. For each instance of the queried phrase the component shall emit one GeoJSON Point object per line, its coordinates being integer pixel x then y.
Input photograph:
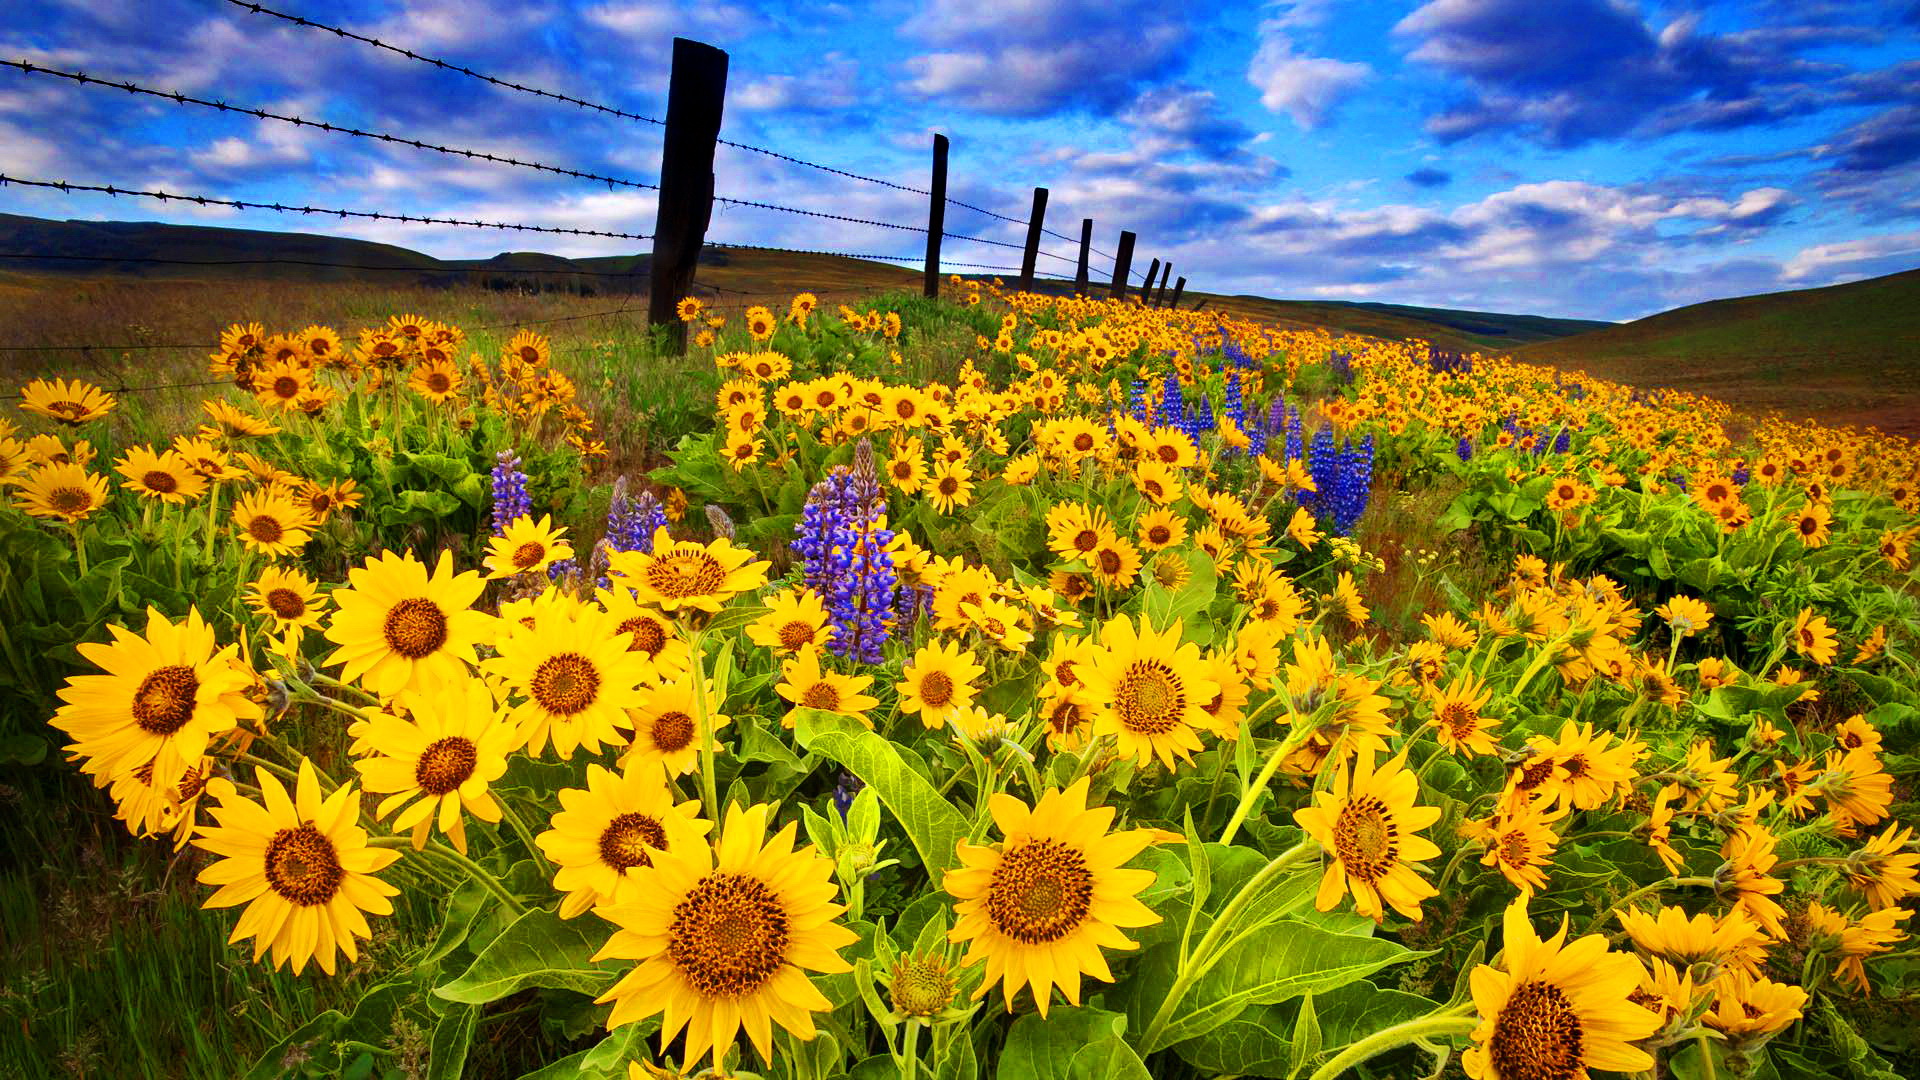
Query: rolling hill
{"type": "Point", "coordinates": [1848, 352]}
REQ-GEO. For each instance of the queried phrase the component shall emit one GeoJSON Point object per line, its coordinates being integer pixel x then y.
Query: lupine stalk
{"type": "Point", "coordinates": [510, 498]}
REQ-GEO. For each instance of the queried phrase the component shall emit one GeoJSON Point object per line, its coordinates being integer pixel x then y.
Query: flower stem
{"type": "Point", "coordinates": [520, 830]}
{"type": "Point", "coordinates": [475, 871]}
{"type": "Point", "coordinates": [703, 723]}
{"type": "Point", "coordinates": [1443, 1023]}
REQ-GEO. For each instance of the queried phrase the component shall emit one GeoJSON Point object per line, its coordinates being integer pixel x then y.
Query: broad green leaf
{"type": "Point", "coordinates": [313, 1034]}
{"type": "Point", "coordinates": [1255, 1042]}
{"type": "Point", "coordinates": [1052, 1047]}
{"type": "Point", "coordinates": [931, 822]}
{"type": "Point", "coordinates": [539, 949]}
{"type": "Point", "coordinates": [452, 1036]}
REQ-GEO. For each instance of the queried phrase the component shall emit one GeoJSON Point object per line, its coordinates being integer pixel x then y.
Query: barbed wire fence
{"type": "Point", "coordinates": [684, 206]}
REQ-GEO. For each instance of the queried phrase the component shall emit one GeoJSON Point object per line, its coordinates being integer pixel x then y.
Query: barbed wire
{"type": "Point", "coordinates": [983, 210]}
{"type": "Point", "coordinates": [29, 68]}
{"type": "Point", "coordinates": [297, 20]}
{"type": "Point", "coordinates": [817, 213]}
{"type": "Point", "coordinates": [822, 168]}
{"type": "Point", "coordinates": [143, 389]}
{"type": "Point", "coordinates": [481, 269]}
{"type": "Point", "coordinates": [373, 215]}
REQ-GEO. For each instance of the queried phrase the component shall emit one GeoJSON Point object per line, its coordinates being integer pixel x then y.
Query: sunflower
{"type": "Point", "coordinates": [1748, 1008]}
{"type": "Point", "coordinates": [602, 840]}
{"type": "Point", "coordinates": [272, 523]}
{"type": "Point", "coordinates": [154, 811]}
{"type": "Point", "coordinates": [1750, 860]}
{"type": "Point", "coordinates": [451, 745]}
{"type": "Point", "coordinates": [289, 597]}
{"type": "Point", "coordinates": [438, 381]}
{"type": "Point", "coordinates": [690, 308]}
{"type": "Point", "coordinates": [399, 628]}
{"type": "Point", "coordinates": [163, 696]}
{"type": "Point", "coordinates": [1458, 723]}
{"type": "Point", "coordinates": [526, 546]}
{"type": "Point", "coordinates": [65, 491]}
{"type": "Point", "coordinates": [938, 683]}
{"type": "Point", "coordinates": [301, 865]}
{"type": "Point", "coordinates": [1115, 563]}
{"type": "Point", "coordinates": [760, 323]}
{"type": "Point", "coordinates": [1734, 939]}
{"type": "Point", "coordinates": [1074, 530]}
{"type": "Point", "coordinates": [1522, 846]}
{"type": "Point", "coordinates": [1685, 615]}
{"type": "Point", "coordinates": [68, 401]}
{"type": "Point", "coordinates": [1039, 907]}
{"type": "Point", "coordinates": [1594, 767]}
{"type": "Point", "coordinates": [724, 936]}
{"type": "Point", "coordinates": [1367, 822]}
{"type": "Point", "coordinates": [1813, 638]}
{"type": "Point", "coordinates": [1812, 524]}
{"type": "Point", "coordinates": [807, 686]}
{"type": "Point", "coordinates": [529, 348]}
{"type": "Point", "coordinates": [905, 469]}
{"type": "Point", "coordinates": [165, 476]}
{"type": "Point", "coordinates": [1151, 690]}
{"type": "Point", "coordinates": [796, 619]}
{"type": "Point", "coordinates": [236, 423]}
{"type": "Point", "coordinates": [577, 675]}
{"type": "Point", "coordinates": [681, 575]}
{"type": "Point", "coordinates": [1344, 601]}
{"type": "Point", "coordinates": [1556, 1009]}
{"type": "Point", "coordinates": [666, 727]}
{"type": "Point", "coordinates": [1159, 528]}
{"type": "Point", "coordinates": [1856, 787]}
{"type": "Point", "coordinates": [649, 633]}
{"type": "Point", "coordinates": [1300, 528]}
{"type": "Point", "coordinates": [1156, 481]}
{"type": "Point", "coordinates": [280, 385]}
{"type": "Point", "coordinates": [951, 486]}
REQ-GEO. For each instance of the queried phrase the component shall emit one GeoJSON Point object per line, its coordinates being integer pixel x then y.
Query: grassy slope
{"type": "Point", "coordinates": [1847, 352]}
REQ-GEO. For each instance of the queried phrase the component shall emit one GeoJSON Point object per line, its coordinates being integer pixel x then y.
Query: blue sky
{"type": "Point", "coordinates": [1591, 158]}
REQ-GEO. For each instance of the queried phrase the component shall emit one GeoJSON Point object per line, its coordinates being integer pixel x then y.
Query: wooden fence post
{"type": "Point", "coordinates": [696, 92]}
{"type": "Point", "coordinates": [1178, 286]}
{"type": "Point", "coordinates": [1122, 263]}
{"type": "Point", "coordinates": [1034, 221]}
{"type": "Point", "coordinates": [1086, 242]}
{"type": "Point", "coordinates": [936, 214]}
{"type": "Point", "coordinates": [1160, 298]}
{"type": "Point", "coordinates": [1146, 289]}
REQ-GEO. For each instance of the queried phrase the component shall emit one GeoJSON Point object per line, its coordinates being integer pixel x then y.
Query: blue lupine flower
{"type": "Point", "coordinates": [1137, 400]}
{"type": "Point", "coordinates": [844, 557]}
{"type": "Point", "coordinates": [1465, 449]}
{"type": "Point", "coordinates": [510, 498]}
{"type": "Point", "coordinates": [1172, 409]}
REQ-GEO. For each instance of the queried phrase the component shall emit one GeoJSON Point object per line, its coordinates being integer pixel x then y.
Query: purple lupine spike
{"type": "Point", "coordinates": [510, 498]}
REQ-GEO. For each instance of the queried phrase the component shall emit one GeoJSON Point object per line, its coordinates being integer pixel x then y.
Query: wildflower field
{"type": "Point", "coordinates": [1025, 687]}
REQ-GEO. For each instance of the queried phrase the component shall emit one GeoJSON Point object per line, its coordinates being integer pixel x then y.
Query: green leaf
{"type": "Point", "coordinates": [1252, 1044]}
{"type": "Point", "coordinates": [1861, 1059]}
{"type": "Point", "coordinates": [1288, 958]}
{"type": "Point", "coordinates": [931, 822]}
{"type": "Point", "coordinates": [1306, 1036]}
{"type": "Point", "coordinates": [452, 1036]}
{"type": "Point", "coordinates": [307, 1038]}
{"type": "Point", "coordinates": [1070, 1044]}
{"type": "Point", "coordinates": [537, 950]}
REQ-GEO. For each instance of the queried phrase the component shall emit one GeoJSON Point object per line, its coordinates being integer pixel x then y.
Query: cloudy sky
{"type": "Point", "coordinates": [1592, 158]}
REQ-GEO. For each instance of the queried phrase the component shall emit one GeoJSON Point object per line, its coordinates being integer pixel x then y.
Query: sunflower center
{"type": "Point", "coordinates": [265, 529]}
{"type": "Point", "coordinates": [1063, 673]}
{"type": "Point", "coordinates": [164, 702]}
{"type": "Point", "coordinates": [439, 383]}
{"type": "Point", "coordinates": [1066, 717]}
{"type": "Point", "coordinates": [445, 764]}
{"type": "Point", "coordinates": [936, 689]}
{"type": "Point", "coordinates": [822, 695]}
{"type": "Point", "coordinates": [529, 554]}
{"type": "Point", "coordinates": [922, 986]}
{"type": "Point", "coordinates": [416, 627]}
{"type": "Point", "coordinates": [1537, 1036]}
{"type": "Point", "coordinates": [949, 485]}
{"type": "Point", "coordinates": [1110, 561]}
{"type": "Point", "coordinates": [286, 386]}
{"type": "Point", "coordinates": [673, 731]}
{"type": "Point", "coordinates": [302, 866]}
{"type": "Point", "coordinates": [529, 354]}
{"type": "Point", "coordinates": [69, 500]}
{"type": "Point", "coordinates": [286, 604]}
{"type": "Point", "coordinates": [1514, 849]}
{"type": "Point", "coordinates": [795, 633]}
{"type": "Point", "coordinates": [1460, 720]}
{"type": "Point", "coordinates": [565, 684]}
{"type": "Point", "coordinates": [1041, 891]}
{"type": "Point", "coordinates": [644, 635]}
{"type": "Point", "coordinates": [160, 482]}
{"type": "Point", "coordinates": [1576, 766]}
{"type": "Point", "coordinates": [1149, 698]}
{"type": "Point", "coordinates": [625, 840]}
{"type": "Point", "coordinates": [1086, 540]}
{"type": "Point", "coordinates": [1366, 838]}
{"type": "Point", "coordinates": [685, 574]}
{"type": "Point", "coordinates": [729, 935]}
{"type": "Point", "coordinates": [1160, 535]}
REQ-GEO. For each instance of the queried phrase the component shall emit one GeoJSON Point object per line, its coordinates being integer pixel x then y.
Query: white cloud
{"type": "Point", "coordinates": [1306, 88]}
{"type": "Point", "coordinates": [1827, 260]}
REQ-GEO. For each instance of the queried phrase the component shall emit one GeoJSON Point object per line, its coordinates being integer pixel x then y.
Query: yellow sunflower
{"type": "Point", "coordinates": [165, 476]}
{"type": "Point", "coordinates": [163, 696]}
{"type": "Point", "coordinates": [577, 675]}
{"type": "Point", "coordinates": [236, 423]}
{"type": "Point", "coordinates": [272, 523]}
{"type": "Point", "coordinates": [938, 683]}
{"type": "Point", "coordinates": [399, 628]}
{"type": "Point", "coordinates": [1151, 690]}
{"type": "Point", "coordinates": [1458, 723]}
{"type": "Point", "coordinates": [1521, 845]}
{"type": "Point", "coordinates": [526, 546]}
{"type": "Point", "coordinates": [1556, 1010]}
{"type": "Point", "coordinates": [1039, 907]}
{"type": "Point", "coordinates": [806, 685]}
{"type": "Point", "coordinates": [68, 401]}
{"type": "Point", "coordinates": [724, 937]}
{"type": "Point", "coordinates": [650, 634]}
{"type": "Point", "coordinates": [680, 575]}
{"type": "Point", "coordinates": [1115, 563]}
{"type": "Point", "coordinates": [1367, 823]}
{"type": "Point", "coordinates": [602, 838]}
{"type": "Point", "coordinates": [1160, 528]}
{"type": "Point", "coordinates": [1813, 638]}
{"type": "Point", "coordinates": [666, 727]}
{"type": "Point", "coordinates": [438, 381]}
{"type": "Point", "coordinates": [796, 619]}
{"type": "Point", "coordinates": [951, 486]}
{"type": "Point", "coordinates": [302, 866]}
{"type": "Point", "coordinates": [445, 752]}
{"type": "Point", "coordinates": [1074, 530]}
{"type": "Point", "coordinates": [153, 811]}
{"type": "Point", "coordinates": [289, 597]}
{"type": "Point", "coordinates": [1344, 601]}
{"type": "Point", "coordinates": [62, 490]}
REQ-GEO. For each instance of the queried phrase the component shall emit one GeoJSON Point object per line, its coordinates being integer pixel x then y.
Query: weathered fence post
{"type": "Point", "coordinates": [1146, 288]}
{"type": "Point", "coordinates": [1178, 286]}
{"type": "Point", "coordinates": [936, 214]}
{"type": "Point", "coordinates": [695, 94]}
{"type": "Point", "coordinates": [1160, 298]}
{"type": "Point", "coordinates": [1086, 242]}
{"type": "Point", "coordinates": [1122, 263]}
{"type": "Point", "coordinates": [1034, 221]}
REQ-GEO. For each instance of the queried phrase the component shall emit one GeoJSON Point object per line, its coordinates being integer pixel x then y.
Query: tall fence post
{"type": "Point", "coordinates": [1122, 263]}
{"type": "Point", "coordinates": [1034, 221]}
{"type": "Point", "coordinates": [1178, 287]}
{"type": "Point", "coordinates": [1086, 242]}
{"type": "Point", "coordinates": [695, 94]}
{"type": "Point", "coordinates": [1160, 297]}
{"type": "Point", "coordinates": [936, 214]}
{"type": "Point", "coordinates": [1146, 289]}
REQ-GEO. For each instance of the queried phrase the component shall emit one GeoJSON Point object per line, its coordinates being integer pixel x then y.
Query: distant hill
{"type": "Point", "coordinates": [1843, 351]}
{"type": "Point", "coordinates": [1448, 328]}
